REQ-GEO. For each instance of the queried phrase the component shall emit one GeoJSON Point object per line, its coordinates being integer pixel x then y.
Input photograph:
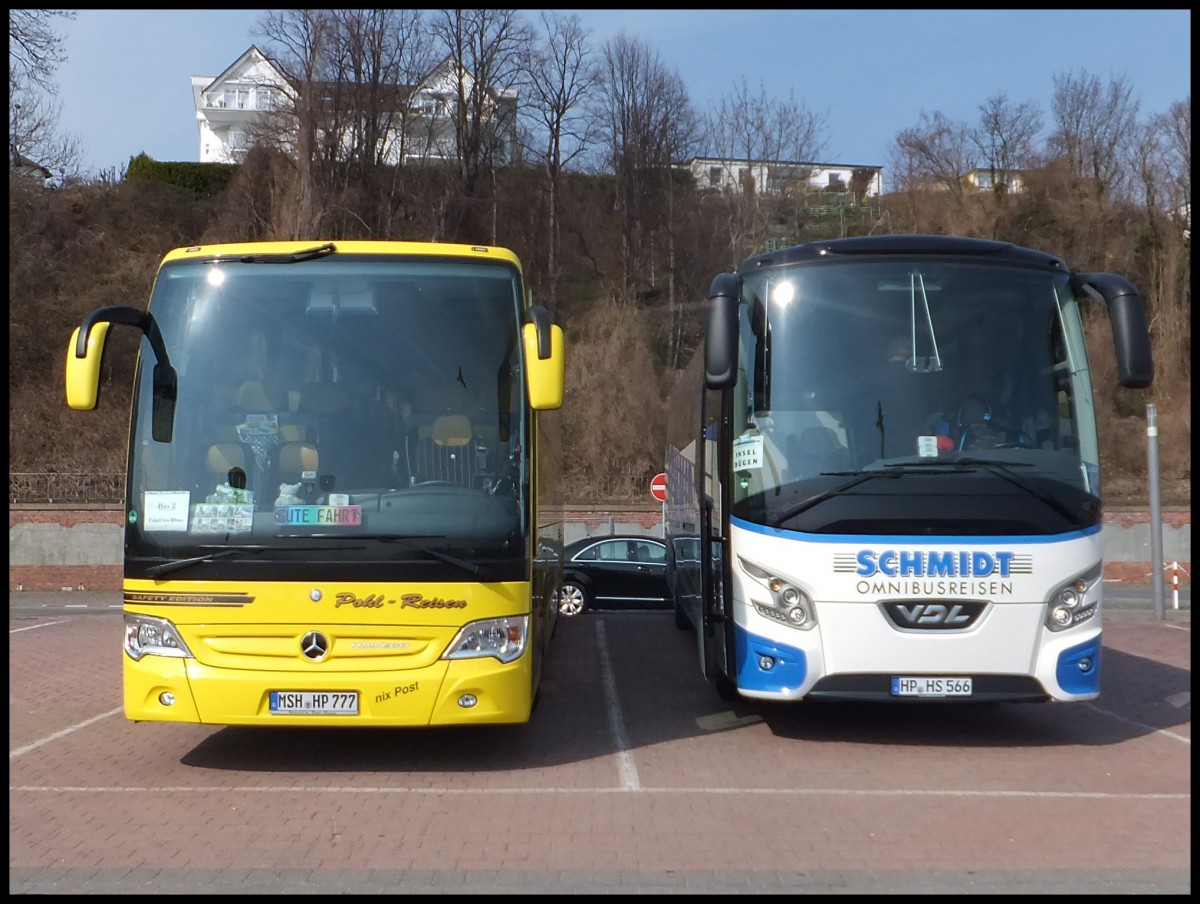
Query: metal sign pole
{"type": "Point", "coordinates": [1156, 555]}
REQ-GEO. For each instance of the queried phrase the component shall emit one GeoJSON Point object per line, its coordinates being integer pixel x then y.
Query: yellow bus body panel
{"type": "Point", "coordinates": [385, 643]}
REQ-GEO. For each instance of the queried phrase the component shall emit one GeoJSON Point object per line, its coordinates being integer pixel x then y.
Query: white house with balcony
{"type": "Point", "coordinates": [785, 177]}
{"type": "Point", "coordinates": [232, 107]}
{"type": "Point", "coordinates": [231, 104]}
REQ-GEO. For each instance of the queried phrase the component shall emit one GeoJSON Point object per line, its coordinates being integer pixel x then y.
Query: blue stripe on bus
{"type": "Point", "coordinates": [875, 539]}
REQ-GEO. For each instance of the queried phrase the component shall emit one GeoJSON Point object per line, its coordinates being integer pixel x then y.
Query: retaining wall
{"type": "Point", "coordinates": [56, 547]}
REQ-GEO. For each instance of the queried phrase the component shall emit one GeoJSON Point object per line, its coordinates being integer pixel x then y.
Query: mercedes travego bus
{"type": "Point", "coordinates": [883, 474]}
{"type": "Point", "coordinates": [340, 458]}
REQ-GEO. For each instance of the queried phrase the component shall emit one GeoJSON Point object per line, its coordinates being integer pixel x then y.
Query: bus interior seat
{"type": "Point", "coordinates": [252, 396]}
{"type": "Point", "coordinates": [820, 449]}
{"type": "Point", "coordinates": [295, 458]}
{"type": "Point", "coordinates": [447, 453]}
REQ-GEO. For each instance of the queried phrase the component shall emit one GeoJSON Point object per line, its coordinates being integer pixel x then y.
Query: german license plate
{"type": "Point", "coordinates": [314, 703]}
{"type": "Point", "coordinates": [929, 686]}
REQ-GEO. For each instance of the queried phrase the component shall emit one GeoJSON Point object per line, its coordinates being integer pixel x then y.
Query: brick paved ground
{"type": "Point", "coordinates": [633, 777]}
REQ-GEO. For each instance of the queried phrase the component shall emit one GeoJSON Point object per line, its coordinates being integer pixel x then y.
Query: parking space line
{"type": "Point", "coordinates": [13, 754]}
{"type": "Point", "coordinates": [625, 763]}
{"type": "Point", "coordinates": [1162, 731]}
{"type": "Point", "coordinates": [61, 621]}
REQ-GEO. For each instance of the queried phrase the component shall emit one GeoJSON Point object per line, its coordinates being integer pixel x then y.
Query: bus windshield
{"type": "Point", "coordinates": [902, 379]}
{"type": "Point", "coordinates": [365, 406]}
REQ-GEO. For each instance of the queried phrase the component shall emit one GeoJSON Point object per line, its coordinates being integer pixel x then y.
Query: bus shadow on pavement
{"type": "Point", "coordinates": [569, 724]}
{"type": "Point", "coordinates": [658, 696]}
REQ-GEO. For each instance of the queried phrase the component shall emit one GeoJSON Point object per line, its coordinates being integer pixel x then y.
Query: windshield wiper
{"type": "Point", "coordinates": [291, 257]}
{"type": "Point", "coordinates": [805, 504]}
{"type": "Point", "coordinates": [177, 564]}
{"type": "Point", "coordinates": [222, 551]}
{"type": "Point", "coordinates": [894, 470]}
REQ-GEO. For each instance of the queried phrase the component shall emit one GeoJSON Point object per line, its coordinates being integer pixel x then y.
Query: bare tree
{"type": "Point", "coordinates": [746, 128]}
{"type": "Point", "coordinates": [1176, 128]}
{"type": "Point", "coordinates": [562, 78]}
{"type": "Point", "coordinates": [377, 60]}
{"type": "Point", "coordinates": [1163, 157]}
{"type": "Point", "coordinates": [1094, 128]}
{"type": "Point", "coordinates": [1004, 138]}
{"type": "Point", "coordinates": [932, 154]}
{"type": "Point", "coordinates": [487, 51]}
{"type": "Point", "coordinates": [648, 124]}
{"type": "Point", "coordinates": [35, 51]}
{"type": "Point", "coordinates": [301, 38]}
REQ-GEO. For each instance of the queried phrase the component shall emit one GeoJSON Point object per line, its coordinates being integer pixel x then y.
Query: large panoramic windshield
{"type": "Point", "coordinates": [336, 399]}
{"type": "Point", "coordinates": [913, 380]}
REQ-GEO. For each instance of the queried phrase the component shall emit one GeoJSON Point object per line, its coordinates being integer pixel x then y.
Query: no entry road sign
{"type": "Point", "coordinates": [658, 487]}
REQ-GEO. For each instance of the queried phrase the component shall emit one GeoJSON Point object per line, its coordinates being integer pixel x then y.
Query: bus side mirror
{"type": "Point", "coordinates": [86, 351]}
{"type": "Point", "coordinates": [545, 360]}
{"type": "Point", "coordinates": [721, 335]}
{"type": "Point", "coordinates": [83, 373]}
{"type": "Point", "coordinates": [1131, 334]}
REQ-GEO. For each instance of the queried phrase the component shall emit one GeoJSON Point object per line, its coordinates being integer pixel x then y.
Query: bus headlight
{"type": "Point", "coordinates": [1068, 604]}
{"type": "Point", "coordinates": [783, 601]}
{"type": "Point", "coordinates": [503, 638]}
{"type": "Point", "coordinates": [147, 636]}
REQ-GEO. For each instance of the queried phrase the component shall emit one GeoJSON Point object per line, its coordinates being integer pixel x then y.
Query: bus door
{"type": "Point", "coordinates": [715, 631]}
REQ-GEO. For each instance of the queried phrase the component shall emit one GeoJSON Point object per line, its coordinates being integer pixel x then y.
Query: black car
{"type": "Point", "coordinates": [615, 571]}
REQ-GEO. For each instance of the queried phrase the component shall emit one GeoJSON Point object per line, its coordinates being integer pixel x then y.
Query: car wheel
{"type": "Point", "coordinates": [572, 599]}
{"type": "Point", "coordinates": [681, 619]}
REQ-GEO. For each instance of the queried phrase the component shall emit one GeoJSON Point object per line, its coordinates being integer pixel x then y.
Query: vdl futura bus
{"type": "Point", "coordinates": [340, 459]}
{"type": "Point", "coordinates": [883, 473]}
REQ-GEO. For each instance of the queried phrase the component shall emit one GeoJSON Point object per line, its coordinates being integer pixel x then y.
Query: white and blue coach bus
{"type": "Point", "coordinates": [883, 473]}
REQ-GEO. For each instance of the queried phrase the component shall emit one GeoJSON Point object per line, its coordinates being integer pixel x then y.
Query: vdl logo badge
{"type": "Point", "coordinates": [934, 616]}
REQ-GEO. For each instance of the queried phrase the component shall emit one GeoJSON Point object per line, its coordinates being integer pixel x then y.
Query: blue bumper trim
{"type": "Point", "coordinates": [789, 669]}
{"type": "Point", "coordinates": [1070, 678]}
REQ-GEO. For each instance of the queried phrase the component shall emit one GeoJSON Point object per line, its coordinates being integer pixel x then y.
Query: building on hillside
{"type": "Point", "coordinates": [235, 107]}
{"type": "Point", "coordinates": [987, 179]}
{"type": "Point", "coordinates": [786, 177]}
{"type": "Point", "coordinates": [29, 170]}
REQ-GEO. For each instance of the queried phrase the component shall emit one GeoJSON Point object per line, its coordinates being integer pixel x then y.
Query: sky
{"type": "Point", "coordinates": [126, 85]}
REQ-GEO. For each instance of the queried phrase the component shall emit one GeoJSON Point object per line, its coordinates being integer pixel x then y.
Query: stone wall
{"type": "Point", "coordinates": [55, 547]}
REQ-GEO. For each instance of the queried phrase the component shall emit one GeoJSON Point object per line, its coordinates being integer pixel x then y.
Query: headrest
{"type": "Point", "coordinates": [451, 430]}
{"type": "Point", "coordinates": [222, 457]}
{"type": "Point", "coordinates": [297, 457]}
{"type": "Point", "coordinates": [251, 396]}
{"type": "Point", "coordinates": [324, 398]}
{"type": "Point", "coordinates": [819, 441]}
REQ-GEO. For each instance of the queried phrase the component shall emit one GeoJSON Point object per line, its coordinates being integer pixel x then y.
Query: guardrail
{"type": "Point", "coordinates": [81, 487]}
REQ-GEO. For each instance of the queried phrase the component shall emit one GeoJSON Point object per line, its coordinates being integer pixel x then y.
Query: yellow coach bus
{"type": "Point", "coordinates": [339, 462]}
